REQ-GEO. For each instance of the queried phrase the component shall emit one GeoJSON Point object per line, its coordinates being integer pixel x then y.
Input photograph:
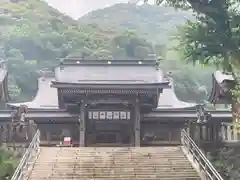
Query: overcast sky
{"type": "Point", "coordinates": [77, 8]}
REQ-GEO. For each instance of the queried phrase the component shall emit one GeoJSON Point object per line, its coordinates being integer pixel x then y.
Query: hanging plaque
{"type": "Point", "coordinates": [128, 116]}
{"type": "Point", "coordinates": [123, 115]}
{"type": "Point", "coordinates": [95, 115]}
{"type": "Point", "coordinates": [116, 115]}
{"type": "Point", "coordinates": [109, 115]}
{"type": "Point", "coordinates": [102, 115]}
{"type": "Point", "coordinates": [90, 115]}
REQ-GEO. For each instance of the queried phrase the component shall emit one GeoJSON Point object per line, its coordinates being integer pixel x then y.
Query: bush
{"type": "Point", "coordinates": [8, 163]}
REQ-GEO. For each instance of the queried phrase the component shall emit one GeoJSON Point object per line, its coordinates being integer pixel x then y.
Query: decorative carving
{"type": "Point", "coordinates": [202, 115]}
{"type": "Point", "coordinates": [123, 115]}
{"type": "Point", "coordinates": [102, 115]}
{"type": "Point", "coordinates": [100, 91]}
{"type": "Point", "coordinates": [109, 115]}
{"type": "Point", "coordinates": [116, 115]}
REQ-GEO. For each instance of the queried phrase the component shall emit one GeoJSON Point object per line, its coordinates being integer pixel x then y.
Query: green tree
{"type": "Point", "coordinates": [33, 35]}
{"type": "Point", "coordinates": [214, 37]}
{"type": "Point", "coordinates": [8, 163]}
{"type": "Point", "coordinates": [191, 83]}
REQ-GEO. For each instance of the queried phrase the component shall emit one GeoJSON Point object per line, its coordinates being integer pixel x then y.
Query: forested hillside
{"type": "Point", "coordinates": [158, 25]}
{"type": "Point", "coordinates": [151, 22]}
{"type": "Point", "coordinates": [33, 35]}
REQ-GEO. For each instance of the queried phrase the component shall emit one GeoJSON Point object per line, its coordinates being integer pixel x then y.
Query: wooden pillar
{"type": "Point", "coordinates": [1, 135]}
{"type": "Point", "coordinates": [132, 127]}
{"type": "Point", "coordinates": [192, 130]}
{"type": "Point", "coordinates": [49, 136]}
{"type": "Point", "coordinates": [211, 132]}
{"type": "Point", "coordinates": [197, 135]}
{"type": "Point", "coordinates": [137, 124]}
{"type": "Point", "coordinates": [201, 132]}
{"type": "Point", "coordinates": [82, 126]}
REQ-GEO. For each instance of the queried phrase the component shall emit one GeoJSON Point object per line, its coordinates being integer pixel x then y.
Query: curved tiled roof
{"type": "Point", "coordinates": [221, 83]}
{"type": "Point", "coordinates": [46, 97]}
{"type": "Point", "coordinates": [221, 77]}
{"type": "Point", "coordinates": [98, 71]}
{"type": "Point", "coordinates": [4, 82]}
{"type": "Point", "coordinates": [169, 100]}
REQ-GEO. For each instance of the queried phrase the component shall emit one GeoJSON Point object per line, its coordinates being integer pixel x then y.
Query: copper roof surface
{"type": "Point", "coordinates": [102, 72]}
{"type": "Point", "coordinates": [46, 97]}
{"type": "Point", "coordinates": [109, 72]}
{"type": "Point", "coordinates": [169, 100]}
{"type": "Point", "coordinates": [220, 76]}
{"type": "Point", "coordinates": [3, 82]}
{"type": "Point", "coordinates": [220, 82]}
{"type": "Point", "coordinates": [3, 73]}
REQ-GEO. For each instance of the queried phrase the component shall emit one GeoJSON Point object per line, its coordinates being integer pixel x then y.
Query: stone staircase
{"type": "Point", "coordinates": [113, 163]}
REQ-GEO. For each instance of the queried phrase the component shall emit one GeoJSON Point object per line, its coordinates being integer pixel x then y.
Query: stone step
{"type": "Point", "coordinates": [187, 173]}
{"type": "Point", "coordinates": [113, 163]}
{"type": "Point", "coordinates": [120, 178]}
{"type": "Point", "coordinates": [130, 177]}
{"type": "Point", "coordinates": [136, 167]}
{"type": "Point", "coordinates": [117, 160]}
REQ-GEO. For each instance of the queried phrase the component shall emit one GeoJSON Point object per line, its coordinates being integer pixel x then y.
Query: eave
{"type": "Point", "coordinates": [168, 100]}
{"type": "Point", "coordinates": [167, 115]}
{"type": "Point", "coordinates": [105, 62]}
{"type": "Point", "coordinates": [82, 85]}
{"type": "Point", "coordinates": [4, 85]}
{"type": "Point", "coordinates": [45, 98]}
{"type": "Point", "coordinates": [220, 94]}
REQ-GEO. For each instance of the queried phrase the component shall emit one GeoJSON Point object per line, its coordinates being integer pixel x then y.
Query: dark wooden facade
{"type": "Point", "coordinates": [110, 111]}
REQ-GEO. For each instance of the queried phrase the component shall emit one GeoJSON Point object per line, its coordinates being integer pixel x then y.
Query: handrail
{"type": "Point", "coordinates": [30, 153]}
{"type": "Point", "coordinates": [204, 164]}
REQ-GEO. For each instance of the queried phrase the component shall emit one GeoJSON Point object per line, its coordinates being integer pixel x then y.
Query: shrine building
{"type": "Point", "coordinates": [116, 102]}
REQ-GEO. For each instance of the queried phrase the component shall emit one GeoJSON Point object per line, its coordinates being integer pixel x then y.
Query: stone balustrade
{"type": "Point", "coordinates": [230, 132]}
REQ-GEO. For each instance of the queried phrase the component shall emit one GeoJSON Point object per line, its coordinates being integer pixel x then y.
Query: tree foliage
{"type": "Point", "coordinates": [33, 35]}
{"type": "Point", "coordinates": [214, 37]}
{"type": "Point", "coordinates": [147, 20]}
{"type": "Point", "coordinates": [8, 163]}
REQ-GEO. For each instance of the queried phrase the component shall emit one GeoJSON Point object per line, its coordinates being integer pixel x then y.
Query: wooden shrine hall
{"type": "Point", "coordinates": [118, 102]}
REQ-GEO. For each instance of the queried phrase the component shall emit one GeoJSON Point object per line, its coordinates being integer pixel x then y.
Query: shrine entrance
{"type": "Point", "coordinates": [108, 137]}
{"type": "Point", "coordinates": [104, 129]}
